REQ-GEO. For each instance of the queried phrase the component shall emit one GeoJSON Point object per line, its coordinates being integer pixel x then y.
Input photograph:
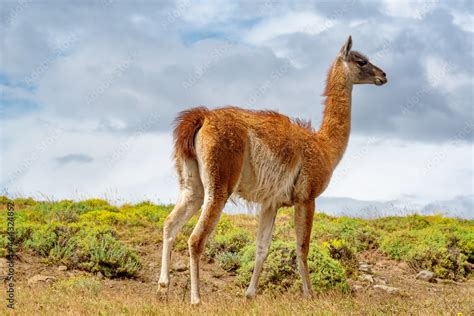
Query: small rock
{"type": "Point", "coordinates": [100, 275]}
{"type": "Point", "coordinates": [381, 280]}
{"type": "Point", "coordinates": [388, 289]}
{"type": "Point", "coordinates": [217, 274]}
{"type": "Point", "coordinates": [357, 287]}
{"type": "Point", "coordinates": [74, 260]}
{"type": "Point", "coordinates": [180, 267]}
{"type": "Point", "coordinates": [366, 278]}
{"type": "Point", "coordinates": [469, 267]}
{"type": "Point", "coordinates": [426, 275]}
{"type": "Point", "coordinates": [62, 268]}
{"type": "Point", "coordinates": [152, 264]}
{"type": "Point", "coordinates": [365, 267]}
{"type": "Point", "coordinates": [41, 278]}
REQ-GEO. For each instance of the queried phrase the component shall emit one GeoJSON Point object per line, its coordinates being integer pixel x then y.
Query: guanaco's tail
{"type": "Point", "coordinates": [187, 125]}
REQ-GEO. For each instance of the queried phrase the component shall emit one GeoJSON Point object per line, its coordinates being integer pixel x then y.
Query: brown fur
{"type": "Point", "coordinates": [187, 124]}
{"type": "Point", "coordinates": [263, 157]}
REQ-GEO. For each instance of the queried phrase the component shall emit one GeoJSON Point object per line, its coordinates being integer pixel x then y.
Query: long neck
{"type": "Point", "coordinates": [336, 125]}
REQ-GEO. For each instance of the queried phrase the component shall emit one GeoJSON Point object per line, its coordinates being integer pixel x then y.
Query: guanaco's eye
{"type": "Point", "coordinates": [362, 62]}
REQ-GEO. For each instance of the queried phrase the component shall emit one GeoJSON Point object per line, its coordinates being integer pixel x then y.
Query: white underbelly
{"type": "Point", "coordinates": [264, 179]}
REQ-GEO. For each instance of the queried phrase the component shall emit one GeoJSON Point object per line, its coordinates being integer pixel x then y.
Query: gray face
{"type": "Point", "coordinates": [360, 70]}
{"type": "Point", "coordinates": [363, 71]}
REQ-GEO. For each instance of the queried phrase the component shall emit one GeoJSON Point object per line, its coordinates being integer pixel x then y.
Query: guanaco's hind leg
{"type": "Point", "coordinates": [220, 163]}
{"type": "Point", "coordinates": [210, 215]}
{"type": "Point", "coordinates": [304, 214]}
{"type": "Point", "coordinates": [190, 200]}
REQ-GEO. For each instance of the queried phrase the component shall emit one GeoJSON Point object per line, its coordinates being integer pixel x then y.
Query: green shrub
{"type": "Point", "coordinates": [280, 269]}
{"type": "Point", "coordinates": [339, 250]}
{"type": "Point", "coordinates": [465, 238]}
{"type": "Point", "coordinates": [52, 241]}
{"type": "Point", "coordinates": [46, 212]}
{"type": "Point", "coordinates": [101, 252]}
{"type": "Point", "coordinates": [152, 213]}
{"type": "Point", "coordinates": [91, 248]}
{"type": "Point", "coordinates": [4, 200]}
{"type": "Point", "coordinates": [63, 211]}
{"type": "Point", "coordinates": [325, 272]}
{"type": "Point", "coordinates": [105, 217]}
{"type": "Point", "coordinates": [356, 233]}
{"type": "Point", "coordinates": [147, 212]}
{"type": "Point", "coordinates": [225, 245]}
{"type": "Point", "coordinates": [3, 245]}
{"type": "Point", "coordinates": [43, 239]}
{"type": "Point", "coordinates": [231, 241]}
{"type": "Point", "coordinates": [23, 231]}
{"type": "Point", "coordinates": [411, 222]}
{"type": "Point", "coordinates": [428, 248]}
{"type": "Point", "coordinates": [92, 205]}
{"type": "Point", "coordinates": [229, 261]}
{"type": "Point", "coordinates": [24, 202]}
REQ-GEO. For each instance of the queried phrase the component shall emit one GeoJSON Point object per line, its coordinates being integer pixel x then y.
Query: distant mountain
{"type": "Point", "coordinates": [459, 206]}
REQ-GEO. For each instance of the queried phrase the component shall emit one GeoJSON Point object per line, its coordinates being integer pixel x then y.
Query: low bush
{"type": "Point", "coordinates": [358, 234]}
{"type": "Point", "coordinates": [102, 252]}
{"type": "Point", "coordinates": [339, 250]}
{"type": "Point", "coordinates": [226, 243]}
{"type": "Point", "coordinates": [230, 241]}
{"type": "Point", "coordinates": [280, 269]}
{"type": "Point", "coordinates": [229, 261]}
{"type": "Point", "coordinates": [427, 248]}
{"type": "Point", "coordinates": [46, 237]}
{"type": "Point", "coordinates": [465, 241]}
{"type": "Point", "coordinates": [325, 272]}
{"type": "Point", "coordinates": [94, 249]}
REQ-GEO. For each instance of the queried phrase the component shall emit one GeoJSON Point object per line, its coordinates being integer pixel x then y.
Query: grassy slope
{"type": "Point", "coordinates": [124, 245]}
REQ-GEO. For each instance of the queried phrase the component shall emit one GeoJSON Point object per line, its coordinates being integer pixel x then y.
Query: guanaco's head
{"type": "Point", "coordinates": [359, 68]}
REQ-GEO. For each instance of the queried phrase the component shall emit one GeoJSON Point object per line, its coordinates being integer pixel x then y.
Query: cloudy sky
{"type": "Point", "coordinates": [89, 92]}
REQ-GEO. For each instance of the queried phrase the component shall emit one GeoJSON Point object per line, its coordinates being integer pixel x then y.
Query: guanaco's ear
{"type": "Point", "coordinates": [346, 48]}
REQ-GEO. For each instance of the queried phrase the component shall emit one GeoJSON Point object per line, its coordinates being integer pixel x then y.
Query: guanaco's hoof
{"type": "Point", "coordinates": [250, 295]}
{"type": "Point", "coordinates": [162, 288]}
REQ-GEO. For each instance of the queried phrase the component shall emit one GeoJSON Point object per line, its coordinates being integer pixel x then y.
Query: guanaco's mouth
{"type": "Point", "coordinates": [380, 81]}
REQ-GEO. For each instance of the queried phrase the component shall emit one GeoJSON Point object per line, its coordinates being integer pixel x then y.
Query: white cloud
{"type": "Point", "coordinates": [415, 9]}
{"type": "Point", "coordinates": [120, 166]}
{"type": "Point", "coordinates": [388, 169]}
{"type": "Point", "coordinates": [464, 20]}
{"type": "Point", "coordinates": [206, 12]}
{"type": "Point", "coordinates": [442, 74]}
{"type": "Point", "coordinates": [291, 22]}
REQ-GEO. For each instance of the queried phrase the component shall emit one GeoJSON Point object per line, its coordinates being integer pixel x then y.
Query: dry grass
{"type": "Point", "coordinates": [115, 297]}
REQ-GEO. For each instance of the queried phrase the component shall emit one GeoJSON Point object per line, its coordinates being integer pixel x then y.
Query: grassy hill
{"type": "Point", "coordinates": [108, 251]}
